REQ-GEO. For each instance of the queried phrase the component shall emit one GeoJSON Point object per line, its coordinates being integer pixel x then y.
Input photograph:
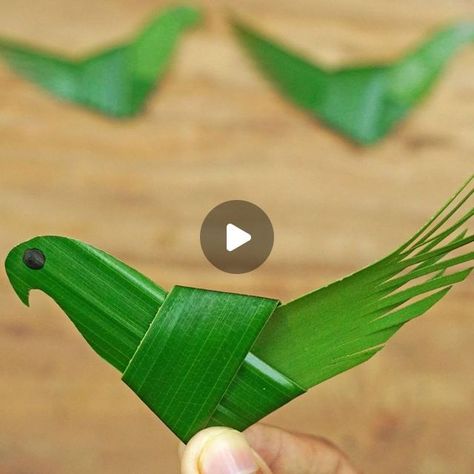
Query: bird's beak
{"type": "Point", "coordinates": [21, 287]}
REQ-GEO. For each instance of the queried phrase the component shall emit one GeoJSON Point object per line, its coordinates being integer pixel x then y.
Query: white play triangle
{"type": "Point", "coordinates": [235, 237]}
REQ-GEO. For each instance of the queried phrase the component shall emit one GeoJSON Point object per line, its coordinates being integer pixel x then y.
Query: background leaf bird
{"type": "Point", "coordinates": [363, 102]}
{"type": "Point", "coordinates": [116, 80]}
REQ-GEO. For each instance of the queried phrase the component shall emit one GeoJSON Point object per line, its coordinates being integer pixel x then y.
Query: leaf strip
{"type": "Point", "coordinates": [191, 353]}
{"type": "Point", "coordinates": [256, 390]}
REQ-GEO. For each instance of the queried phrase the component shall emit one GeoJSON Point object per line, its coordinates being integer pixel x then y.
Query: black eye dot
{"type": "Point", "coordinates": [34, 259]}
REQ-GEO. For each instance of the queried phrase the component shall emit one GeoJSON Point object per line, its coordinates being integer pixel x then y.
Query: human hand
{"type": "Point", "coordinates": [261, 450]}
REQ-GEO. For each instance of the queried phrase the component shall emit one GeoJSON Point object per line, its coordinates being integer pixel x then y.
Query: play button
{"type": "Point", "coordinates": [236, 236]}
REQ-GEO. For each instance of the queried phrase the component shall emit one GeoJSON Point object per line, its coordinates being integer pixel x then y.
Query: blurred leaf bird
{"type": "Point", "coordinates": [115, 81]}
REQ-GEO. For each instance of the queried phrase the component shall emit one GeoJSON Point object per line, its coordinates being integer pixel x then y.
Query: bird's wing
{"type": "Point", "coordinates": [50, 71]}
{"type": "Point", "coordinates": [413, 75]}
{"type": "Point", "coordinates": [342, 325]}
{"type": "Point", "coordinates": [363, 102]}
{"type": "Point", "coordinates": [154, 45]}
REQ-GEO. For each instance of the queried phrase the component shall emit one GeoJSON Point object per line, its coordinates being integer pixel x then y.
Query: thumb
{"type": "Point", "coordinates": [221, 451]}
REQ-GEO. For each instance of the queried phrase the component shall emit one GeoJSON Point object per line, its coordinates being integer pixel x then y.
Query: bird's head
{"type": "Point", "coordinates": [31, 265]}
{"type": "Point", "coordinates": [111, 304]}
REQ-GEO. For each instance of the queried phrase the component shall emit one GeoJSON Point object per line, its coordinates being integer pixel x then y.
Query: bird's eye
{"type": "Point", "coordinates": [34, 259]}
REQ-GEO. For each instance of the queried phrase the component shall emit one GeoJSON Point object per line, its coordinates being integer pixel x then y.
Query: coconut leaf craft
{"type": "Point", "coordinates": [115, 81]}
{"type": "Point", "coordinates": [362, 102]}
{"type": "Point", "coordinates": [202, 358]}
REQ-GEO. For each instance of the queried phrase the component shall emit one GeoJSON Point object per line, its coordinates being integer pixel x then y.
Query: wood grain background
{"type": "Point", "coordinates": [216, 131]}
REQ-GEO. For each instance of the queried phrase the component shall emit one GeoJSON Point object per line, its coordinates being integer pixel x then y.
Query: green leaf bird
{"type": "Point", "coordinates": [201, 358]}
{"type": "Point", "coordinates": [115, 81]}
{"type": "Point", "coordinates": [362, 102]}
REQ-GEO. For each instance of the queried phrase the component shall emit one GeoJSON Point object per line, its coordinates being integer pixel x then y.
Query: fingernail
{"type": "Point", "coordinates": [228, 453]}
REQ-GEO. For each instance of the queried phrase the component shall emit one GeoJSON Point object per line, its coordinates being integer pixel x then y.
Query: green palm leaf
{"type": "Point", "coordinates": [202, 358]}
{"type": "Point", "coordinates": [115, 81]}
{"type": "Point", "coordinates": [362, 102]}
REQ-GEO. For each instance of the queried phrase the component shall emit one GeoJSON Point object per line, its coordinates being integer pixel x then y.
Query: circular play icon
{"type": "Point", "coordinates": [236, 236]}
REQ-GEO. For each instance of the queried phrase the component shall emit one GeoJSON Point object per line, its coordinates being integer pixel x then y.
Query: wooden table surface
{"type": "Point", "coordinates": [216, 131]}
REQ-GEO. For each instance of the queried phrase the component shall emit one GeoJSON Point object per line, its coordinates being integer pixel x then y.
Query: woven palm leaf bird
{"type": "Point", "coordinates": [202, 358]}
{"type": "Point", "coordinates": [115, 81]}
{"type": "Point", "coordinates": [363, 102]}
